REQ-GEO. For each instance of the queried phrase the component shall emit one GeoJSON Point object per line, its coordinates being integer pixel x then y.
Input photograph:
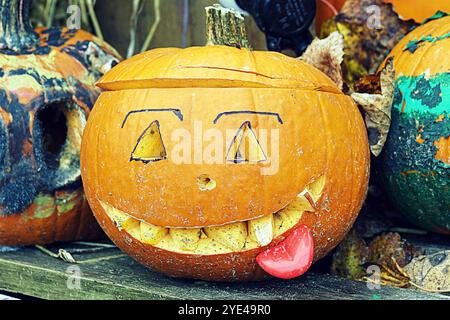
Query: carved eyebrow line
{"type": "Point", "coordinates": [177, 112]}
{"type": "Point", "coordinates": [273, 114]}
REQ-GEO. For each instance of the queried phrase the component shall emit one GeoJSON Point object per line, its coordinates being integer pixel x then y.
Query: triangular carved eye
{"type": "Point", "coordinates": [245, 146]}
{"type": "Point", "coordinates": [150, 146]}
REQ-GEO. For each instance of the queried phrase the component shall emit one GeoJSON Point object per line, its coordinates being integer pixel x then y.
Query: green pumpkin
{"type": "Point", "coordinates": [415, 164]}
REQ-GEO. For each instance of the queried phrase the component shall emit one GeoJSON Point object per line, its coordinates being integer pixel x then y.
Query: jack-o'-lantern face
{"type": "Point", "coordinates": [192, 154]}
{"type": "Point", "coordinates": [216, 155]}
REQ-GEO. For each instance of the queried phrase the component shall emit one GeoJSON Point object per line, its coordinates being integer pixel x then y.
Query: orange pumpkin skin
{"type": "Point", "coordinates": [41, 202]}
{"type": "Point", "coordinates": [418, 10]}
{"type": "Point", "coordinates": [201, 84]}
{"type": "Point", "coordinates": [61, 225]}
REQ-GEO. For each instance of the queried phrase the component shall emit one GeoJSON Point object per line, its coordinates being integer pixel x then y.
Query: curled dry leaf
{"type": "Point", "coordinates": [388, 276]}
{"type": "Point", "coordinates": [327, 56]}
{"type": "Point", "coordinates": [377, 107]}
{"type": "Point", "coordinates": [368, 84]}
{"type": "Point", "coordinates": [430, 272]}
{"type": "Point", "coordinates": [390, 247]}
{"type": "Point", "coordinates": [391, 253]}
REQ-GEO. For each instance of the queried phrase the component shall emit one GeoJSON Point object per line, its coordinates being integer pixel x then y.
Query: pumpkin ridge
{"type": "Point", "coordinates": [351, 204]}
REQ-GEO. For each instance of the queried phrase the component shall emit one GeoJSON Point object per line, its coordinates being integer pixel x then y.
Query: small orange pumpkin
{"type": "Point", "coordinates": [196, 161]}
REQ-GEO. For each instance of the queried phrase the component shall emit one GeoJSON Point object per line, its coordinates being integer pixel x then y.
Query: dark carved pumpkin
{"type": "Point", "coordinates": [416, 158]}
{"type": "Point", "coordinates": [47, 89]}
{"type": "Point", "coordinates": [284, 162]}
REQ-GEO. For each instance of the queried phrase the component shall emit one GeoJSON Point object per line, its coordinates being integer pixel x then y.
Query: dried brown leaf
{"type": "Point", "coordinates": [390, 249]}
{"type": "Point", "coordinates": [389, 252]}
{"type": "Point", "coordinates": [370, 29]}
{"type": "Point", "coordinates": [430, 272]}
{"type": "Point", "coordinates": [377, 109]}
{"type": "Point", "coordinates": [389, 277]}
{"type": "Point", "coordinates": [327, 56]}
{"type": "Point", "coordinates": [369, 84]}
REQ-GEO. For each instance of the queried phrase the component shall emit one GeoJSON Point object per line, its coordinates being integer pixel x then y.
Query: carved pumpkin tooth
{"type": "Point", "coordinates": [232, 235]}
{"type": "Point", "coordinates": [315, 188]}
{"type": "Point", "coordinates": [289, 217]}
{"type": "Point", "coordinates": [186, 239]}
{"type": "Point", "coordinates": [132, 227]}
{"type": "Point", "coordinates": [123, 221]}
{"type": "Point", "coordinates": [285, 220]}
{"type": "Point", "coordinates": [277, 224]}
{"type": "Point", "coordinates": [151, 234]}
{"type": "Point", "coordinates": [261, 230]}
{"type": "Point", "coordinates": [117, 216]}
{"type": "Point", "coordinates": [301, 203]}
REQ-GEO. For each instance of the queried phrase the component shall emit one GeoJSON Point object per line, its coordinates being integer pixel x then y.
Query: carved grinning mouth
{"type": "Point", "coordinates": [230, 238]}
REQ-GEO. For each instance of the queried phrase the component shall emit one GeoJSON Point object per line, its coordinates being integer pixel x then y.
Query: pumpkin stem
{"type": "Point", "coordinates": [225, 27]}
{"type": "Point", "coordinates": [16, 31]}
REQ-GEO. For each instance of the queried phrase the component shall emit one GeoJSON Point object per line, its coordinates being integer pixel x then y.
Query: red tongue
{"type": "Point", "coordinates": [290, 258]}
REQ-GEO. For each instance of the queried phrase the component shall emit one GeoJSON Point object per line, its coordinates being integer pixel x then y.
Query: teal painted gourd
{"type": "Point", "coordinates": [415, 164]}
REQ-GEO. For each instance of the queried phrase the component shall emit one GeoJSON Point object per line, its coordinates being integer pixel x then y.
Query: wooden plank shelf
{"type": "Point", "coordinates": [110, 274]}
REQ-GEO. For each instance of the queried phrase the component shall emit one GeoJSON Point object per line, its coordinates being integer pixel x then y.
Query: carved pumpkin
{"type": "Point", "coordinates": [419, 10]}
{"type": "Point", "coordinates": [203, 162]}
{"type": "Point", "coordinates": [47, 88]}
{"type": "Point", "coordinates": [415, 162]}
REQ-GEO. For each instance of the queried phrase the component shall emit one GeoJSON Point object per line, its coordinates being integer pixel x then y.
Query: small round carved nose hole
{"type": "Point", "coordinates": [206, 183]}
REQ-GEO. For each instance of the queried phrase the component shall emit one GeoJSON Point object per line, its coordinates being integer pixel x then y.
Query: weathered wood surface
{"type": "Point", "coordinates": [109, 274]}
